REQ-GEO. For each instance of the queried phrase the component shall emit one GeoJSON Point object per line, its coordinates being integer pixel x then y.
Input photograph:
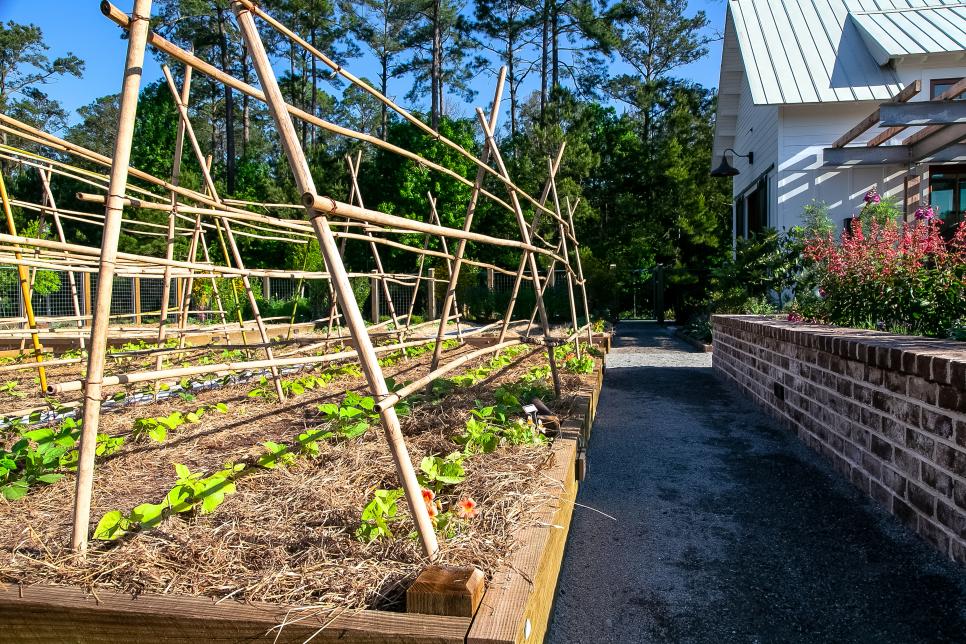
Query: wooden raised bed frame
{"type": "Point", "coordinates": [515, 608]}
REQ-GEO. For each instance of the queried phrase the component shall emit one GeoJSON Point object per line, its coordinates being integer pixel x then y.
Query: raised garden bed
{"type": "Point", "coordinates": [279, 558]}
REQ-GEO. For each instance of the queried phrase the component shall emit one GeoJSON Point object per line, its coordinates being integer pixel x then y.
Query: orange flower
{"type": "Point", "coordinates": [466, 509]}
{"type": "Point", "coordinates": [428, 496]}
{"type": "Point", "coordinates": [429, 499]}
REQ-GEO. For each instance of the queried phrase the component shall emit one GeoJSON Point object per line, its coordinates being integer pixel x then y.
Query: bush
{"type": "Point", "coordinates": [903, 278]}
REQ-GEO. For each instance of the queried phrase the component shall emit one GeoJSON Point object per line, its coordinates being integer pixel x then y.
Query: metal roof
{"type": "Point", "coordinates": [893, 28]}
{"type": "Point", "coordinates": [809, 51]}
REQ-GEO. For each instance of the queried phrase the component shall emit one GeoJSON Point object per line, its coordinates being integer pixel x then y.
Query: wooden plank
{"type": "Point", "coordinates": [872, 119]}
{"type": "Point", "coordinates": [516, 606]}
{"type": "Point", "coordinates": [55, 614]}
{"type": "Point", "coordinates": [948, 95]}
{"type": "Point", "coordinates": [446, 590]}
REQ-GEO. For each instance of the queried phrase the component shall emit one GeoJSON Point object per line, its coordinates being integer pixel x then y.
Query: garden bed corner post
{"type": "Point", "coordinates": [133, 69]}
{"type": "Point", "coordinates": [338, 276]}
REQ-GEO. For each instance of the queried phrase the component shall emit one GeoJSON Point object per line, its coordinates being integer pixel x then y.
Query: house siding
{"type": "Point", "coordinates": [756, 131]}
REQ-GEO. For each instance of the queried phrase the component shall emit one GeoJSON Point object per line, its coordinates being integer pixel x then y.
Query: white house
{"type": "Point", "coordinates": [798, 75]}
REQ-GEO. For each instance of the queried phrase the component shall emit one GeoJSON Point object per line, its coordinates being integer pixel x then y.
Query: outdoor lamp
{"type": "Point", "coordinates": [728, 170]}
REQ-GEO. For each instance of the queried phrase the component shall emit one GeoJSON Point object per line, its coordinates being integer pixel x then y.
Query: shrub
{"type": "Point", "coordinates": [905, 278]}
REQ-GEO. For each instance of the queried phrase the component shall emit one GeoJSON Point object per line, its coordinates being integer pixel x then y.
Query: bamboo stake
{"type": "Point", "coordinates": [454, 274]}
{"type": "Point", "coordinates": [24, 286]}
{"type": "Point", "coordinates": [45, 178]}
{"type": "Point", "coordinates": [566, 254]}
{"type": "Point", "coordinates": [112, 224]}
{"type": "Point", "coordinates": [580, 271]}
{"type": "Point", "coordinates": [449, 265]}
{"type": "Point", "coordinates": [354, 174]}
{"type": "Point", "coordinates": [350, 308]}
{"type": "Point", "coordinates": [295, 298]}
{"type": "Point", "coordinates": [172, 216]}
{"type": "Point", "coordinates": [225, 367]}
{"type": "Point", "coordinates": [525, 236]}
{"type": "Point", "coordinates": [404, 392]}
{"type": "Point", "coordinates": [533, 227]}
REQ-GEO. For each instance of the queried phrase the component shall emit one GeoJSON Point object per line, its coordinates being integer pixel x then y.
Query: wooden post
{"type": "Point", "coordinates": [266, 288]}
{"type": "Point", "coordinates": [374, 297]}
{"type": "Point", "coordinates": [133, 68]}
{"type": "Point", "coordinates": [24, 288]}
{"type": "Point", "coordinates": [440, 590]}
{"type": "Point", "coordinates": [340, 280]}
{"type": "Point", "coordinates": [137, 300]}
{"type": "Point", "coordinates": [454, 274]}
{"type": "Point", "coordinates": [431, 295]}
{"type": "Point", "coordinates": [490, 280]}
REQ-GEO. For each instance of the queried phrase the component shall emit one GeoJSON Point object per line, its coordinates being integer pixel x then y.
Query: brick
{"type": "Point", "coordinates": [873, 376]}
{"type": "Point", "coordinates": [871, 465]}
{"type": "Point", "coordinates": [923, 390]}
{"type": "Point", "coordinates": [894, 480]}
{"type": "Point", "coordinates": [880, 493]}
{"type": "Point", "coordinates": [934, 535]}
{"type": "Point", "coordinates": [961, 433]}
{"type": "Point", "coordinates": [861, 394]}
{"type": "Point", "coordinates": [860, 480]}
{"type": "Point", "coordinates": [906, 462]}
{"type": "Point", "coordinates": [881, 448]}
{"type": "Point", "coordinates": [952, 518]}
{"type": "Point", "coordinates": [921, 499]}
{"type": "Point", "coordinates": [952, 459]}
{"type": "Point", "coordinates": [920, 443]}
{"type": "Point", "coordinates": [893, 430]}
{"type": "Point", "coordinates": [936, 479]}
{"type": "Point", "coordinates": [895, 381]}
{"type": "Point", "coordinates": [939, 424]}
{"type": "Point", "coordinates": [951, 398]}
{"type": "Point", "coordinates": [904, 512]}
{"type": "Point", "coordinates": [957, 552]}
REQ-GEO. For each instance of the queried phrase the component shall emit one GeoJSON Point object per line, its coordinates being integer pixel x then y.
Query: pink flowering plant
{"type": "Point", "coordinates": [902, 277]}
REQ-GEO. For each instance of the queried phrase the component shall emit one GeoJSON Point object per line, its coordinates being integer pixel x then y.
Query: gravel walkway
{"type": "Point", "coordinates": [728, 529]}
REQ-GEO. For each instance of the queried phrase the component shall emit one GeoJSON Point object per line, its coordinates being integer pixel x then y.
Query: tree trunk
{"type": "Point", "coordinates": [229, 107]}
{"type": "Point", "coordinates": [544, 55]}
{"type": "Point", "coordinates": [384, 88]}
{"type": "Point", "coordinates": [436, 65]}
{"type": "Point", "coordinates": [513, 88]}
{"type": "Point", "coordinates": [246, 106]}
{"type": "Point", "coordinates": [555, 45]}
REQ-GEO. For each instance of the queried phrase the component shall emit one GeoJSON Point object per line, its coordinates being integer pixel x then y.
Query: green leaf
{"type": "Point", "coordinates": [111, 526]}
{"type": "Point", "coordinates": [148, 514]}
{"type": "Point", "coordinates": [49, 478]}
{"type": "Point", "coordinates": [15, 490]}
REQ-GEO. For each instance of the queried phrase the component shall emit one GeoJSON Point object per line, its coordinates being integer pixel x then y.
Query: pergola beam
{"type": "Point", "coordinates": [923, 113]}
{"type": "Point", "coordinates": [892, 155]}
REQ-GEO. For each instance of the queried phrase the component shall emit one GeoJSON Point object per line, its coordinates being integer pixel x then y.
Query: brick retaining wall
{"type": "Point", "coordinates": [888, 411]}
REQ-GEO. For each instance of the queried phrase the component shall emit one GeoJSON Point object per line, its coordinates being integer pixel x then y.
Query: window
{"type": "Point", "coordinates": [947, 192]}
{"type": "Point", "coordinates": [758, 207]}
{"type": "Point", "coordinates": [939, 85]}
{"type": "Point", "coordinates": [740, 217]}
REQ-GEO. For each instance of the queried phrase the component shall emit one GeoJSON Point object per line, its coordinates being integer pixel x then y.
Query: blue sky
{"type": "Point", "coordinates": [78, 26]}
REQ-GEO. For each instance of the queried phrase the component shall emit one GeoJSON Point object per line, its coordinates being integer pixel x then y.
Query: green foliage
{"type": "Point", "coordinates": [436, 473]}
{"type": "Point", "coordinates": [378, 514]}
{"type": "Point", "coordinates": [157, 428]}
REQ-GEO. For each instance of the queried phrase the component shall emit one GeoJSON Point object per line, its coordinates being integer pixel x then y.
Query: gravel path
{"type": "Point", "coordinates": [728, 529]}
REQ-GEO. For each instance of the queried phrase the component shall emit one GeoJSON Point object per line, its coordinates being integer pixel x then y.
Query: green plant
{"type": "Point", "coordinates": [435, 473]}
{"type": "Point", "coordinates": [378, 514]}
{"type": "Point", "coordinates": [275, 455]}
{"type": "Point", "coordinates": [157, 428]}
{"type": "Point", "coordinates": [10, 387]}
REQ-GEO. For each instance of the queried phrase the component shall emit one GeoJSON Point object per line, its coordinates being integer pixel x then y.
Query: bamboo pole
{"type": "Point", "coordinates": [112, 224]}
{"type": "Point", "coordinates": [449, 265]}
{"type": "Point", "coordinates": [454, 274]}
{"type": "Point", "coordinates": [533, 227]}
{"type": "Point", "coordinates": [24, 286]}
{"type": "Point", "coordinates": [404, 392]}
{"type": "Point", "coordinates": [566, 254]}
{"type": "Point", "coordinates": [525, 236]}
{"type": "Point", "coordinates": [354, 175]}
{"type": "Point", "coordinates": [45, 178]}
{"type": "Point", "coordinates": [333, 261]}
{"type": "Point", "coordinates": [225, 367]}
{"type": "Point", "coordinates": [580, 270]}
{"type": "Point", "coordinates": [172, 216]}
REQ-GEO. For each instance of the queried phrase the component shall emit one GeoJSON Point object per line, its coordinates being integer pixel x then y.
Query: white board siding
{"type": "Point", "coordinates": [756, 130]}
{"type": "Point", "coordinates": [804, 131]}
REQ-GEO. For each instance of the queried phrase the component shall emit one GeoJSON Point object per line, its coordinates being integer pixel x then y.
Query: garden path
{"type": "Point", "coordinates": [728, 529]}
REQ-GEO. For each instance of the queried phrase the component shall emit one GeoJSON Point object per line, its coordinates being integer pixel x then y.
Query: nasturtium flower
{"type": "Point", "coordinates": [466, 508]}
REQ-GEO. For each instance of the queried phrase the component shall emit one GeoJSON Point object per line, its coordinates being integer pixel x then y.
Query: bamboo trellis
{"type": "Point", "coordinates": [329, 222]}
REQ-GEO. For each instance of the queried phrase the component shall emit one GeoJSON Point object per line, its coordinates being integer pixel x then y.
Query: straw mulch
{"type": "Point", "coordinates": [287, 535]}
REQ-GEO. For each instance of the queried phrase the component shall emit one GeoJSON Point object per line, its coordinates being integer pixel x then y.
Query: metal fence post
{"type": "Point", "coordinates": [266, 288]}
{"type": "Point", "coordinates": [490, 279]}
{"type": "Point", "coordinates": [87, 298]}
